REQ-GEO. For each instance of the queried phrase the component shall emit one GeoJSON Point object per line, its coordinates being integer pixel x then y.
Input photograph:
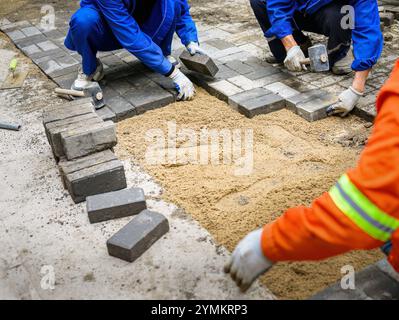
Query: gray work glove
{"type": "Point", "coordinates": [347, 101]}
{"type": "Point", "coordinates": [183, 85]}
{"type": "Point", "coordinates": [248, 262]}
{"type": "Point", "coordinates": [294, 58]}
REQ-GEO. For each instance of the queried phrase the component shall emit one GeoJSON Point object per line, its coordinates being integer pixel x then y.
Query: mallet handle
{"type": "Point", "coordinates": [305, 61]}
{"type": "Point", "coordinates": [74, 93]}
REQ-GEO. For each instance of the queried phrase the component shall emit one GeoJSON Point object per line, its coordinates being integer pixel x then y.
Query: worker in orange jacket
{"type": "Point", "coordinates": [360, 212]}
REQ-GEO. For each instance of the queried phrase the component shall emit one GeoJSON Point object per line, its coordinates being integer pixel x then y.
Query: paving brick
{"type": "Point", "coordinates": [66, 80]}
{"type": "Point", "coordinates": [16, 35]}
{"type": "Point", "coordinates": [200, 63]}
{"type": "Point", "coordinates": [261, 105]}
{"type": "Point", "coordinates": [121, 107]}
{"type": "Point", "coordinates": [86, 140]}
{"type": "Point", "coordinates": [366, 109]}
{"type": "Point", "coordinates": [223, 89]}
{"type": "Point", "coordinates": [243, 83]}
{"type": "Point", "coordinates": [68, 167]}
{"type": "Point", "coordinates": [371, 284]}
{"type": "Point", "coordinates": [226, 52]}
{"type": "Point", "coordinates": [116, 204]}
{"type": "Point", "coordinates": [137, 236]}
{"type": "Point", "coordinates": [261, 72]}
{"type": "Point", "coordinates": [240, 67]}
{"type": "Point", "coordinates": [240, 98]}
{"type": "Point", "coordinates": [220, 44]}
{"type": "Point", "coordinates": [148, 97]}
{"type": "Point", "coordinates": [31, 31]}
{"type": "Point", "coordinates": [55, 129]}
{"type": "Point", "coordinates": [49, 67]}
{"type": "Point", "coordinates": [241, 56]}
{"type": "Point", "coordinates": [31, 49]}
{"type": "Point", "coordinates": [293, 102]}
{"type": "Point", "coordinates": [68, 110]}
{"type": "Point", "coordinates": [315, 108]}
{"type": "Point", "coordinates": [47, 45]}
{"type": "Point", "coordinates": [99, 178]}
{"type": "Point", "coordinates": [105, 113]}
{"type": "Point", "coordinates": [282, 90]}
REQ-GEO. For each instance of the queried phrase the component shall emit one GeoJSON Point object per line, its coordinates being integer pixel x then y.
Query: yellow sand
{"type": "Point", "coordinates": [294, 162]}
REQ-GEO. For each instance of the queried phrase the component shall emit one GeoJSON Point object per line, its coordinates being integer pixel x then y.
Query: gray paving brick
{"type": "Point", "coordinates": [44, 56]}
{"type": "Point", "coordinates": [366, 108]}
{"type": "Point", "coordinates": [223, 89]}
{"type": "Point", "coordinates": [55, 129]}
{"type": "Point", "coordinates": [121, 86]}
{"type": "Point", "coordinates": [89, 139]}
{"type": "Point", "coordinates": [262, 71]}
{"type": "Point", "coordinates": [240, 55]}
{"type": "Point", "coordinates": [116, 204]}
{"type": "Point", "coordinates": [122, 108]}
{"type": "Point", "coordinates": [66, 80]}
{"type": "Point", "coordinates": [148, 97]}
{"type": "Point", "coordinates": [49, 66]}
{"type": "Point", "coordinates": [137, 236]}
{"type": "Point", "coordinates": [31, 31]}
{"type": "Point", "coordinates": [199, 63]}
{"type": "Point", "coordinates": [105, 113]}
{"type": "Point", "coordinates": [31, 49]}
{"type": "Point", "coordinates": [315, 108]}
{"type": "Point", "coordinates": [68, 167]}
{"type": "Point", "coordinates": [68, 110]}
{"type": "Point", "coordinates": [239, 98]}
{"type": "Point", "coordinates": [99, 178]}
{"type": "Point", "coordinates": [65, 71]}
{"type": "Point", "coordinates": [53, 34]}
{"type": "Point", "coordinates": [244, 83]}
{"type": "Point", "coordinates": [226, 52]}
{"type": "Point", "coordinates": [47, 45]}
{"type": "Point", "coordinates": [371, 284]}
{"type": "Point", "coordinates": [261, 105]}
{"type": "Point", "coordinates": [240, 67]}
{"type": "Point", "coordinates": [16, 35]}
{"type": "Point", "coordinates": [220, 44]}
{"type": "Point", "coordinates": [282, 90]}
{"type": "Point", "coordinates": [292, 102]}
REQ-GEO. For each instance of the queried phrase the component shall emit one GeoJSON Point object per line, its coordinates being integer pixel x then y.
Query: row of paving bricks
{"type": "Point", "coordinates": [82, 145]}
{"type": "Point", "coordinates": [252, 86]}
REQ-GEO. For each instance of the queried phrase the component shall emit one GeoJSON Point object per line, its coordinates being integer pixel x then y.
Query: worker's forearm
{"type": "Point", "coordinates": [288, 42]}
{"type": "Point", "coordinates": [359, 81]}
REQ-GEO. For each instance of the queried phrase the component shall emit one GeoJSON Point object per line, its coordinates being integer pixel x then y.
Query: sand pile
{"type": "Point", "coordinates": [293, 162]}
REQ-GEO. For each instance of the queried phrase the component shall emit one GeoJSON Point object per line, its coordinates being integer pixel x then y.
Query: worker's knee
{"type": "Point", "coordinates": [258, 4]}
{"type": "Point", "coordinates": [85, 22]}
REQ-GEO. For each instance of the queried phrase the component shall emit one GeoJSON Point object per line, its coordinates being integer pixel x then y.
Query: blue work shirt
{"type": "Point", "coordinates": [366, 35]}
{"type": "Point", "coordinates": [142, 40]}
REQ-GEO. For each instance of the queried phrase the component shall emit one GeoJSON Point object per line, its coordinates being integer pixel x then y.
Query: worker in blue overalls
{"type": "Point", "coordinates": [143, 27]}
{"type": "Point", "coordinates": [342, 21]}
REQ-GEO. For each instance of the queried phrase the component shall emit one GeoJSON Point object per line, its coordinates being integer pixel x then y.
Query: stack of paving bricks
{"type": "Point", "coordinates": [81, 142]}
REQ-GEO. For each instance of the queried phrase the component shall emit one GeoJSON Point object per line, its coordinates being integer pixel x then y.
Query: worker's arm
{"type": "Point", "coordinates": [366, 35]}
{"type": "Point", "coordinates": [185, 26]}
{"type": "Point", "coordinates": [129, 34]}
{"type": "Point", "coordinates": [360, 212]}
{"type": "Point", "coordinates": [324, 230]}
{"type": "Point", "coordinates": [280, 14]}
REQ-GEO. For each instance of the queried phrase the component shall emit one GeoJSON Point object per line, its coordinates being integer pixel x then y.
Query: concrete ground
{"type": "Point", "coordinates": [43, 233]}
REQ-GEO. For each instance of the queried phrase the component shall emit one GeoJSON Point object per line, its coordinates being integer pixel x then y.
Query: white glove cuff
{"type": "Point", "coordinates": [360, 94]}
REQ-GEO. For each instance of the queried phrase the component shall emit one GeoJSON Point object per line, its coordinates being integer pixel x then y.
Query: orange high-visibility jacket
{"type": "Point", "coordinates": [361, 211]}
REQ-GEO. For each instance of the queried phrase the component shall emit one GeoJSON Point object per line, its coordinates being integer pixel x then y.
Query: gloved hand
{"type": "Point", "coordinates": [183, 85]}
{"type": "Point", "coordinates": [194, 48]}
{"type": "Point", "coordinates": [347, 101]}
{"type": "Point", "coordinates": [294, 58]}
{"type": "Point", "coordinates": [248, 262]}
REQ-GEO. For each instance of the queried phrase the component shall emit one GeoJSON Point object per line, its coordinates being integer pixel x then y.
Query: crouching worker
{"type": "Point", "coordinates": [145, 28]}
{"type": "Point", "coordinates": [361, 212]}
{"type": "Point", "coordinates": [342, 21]}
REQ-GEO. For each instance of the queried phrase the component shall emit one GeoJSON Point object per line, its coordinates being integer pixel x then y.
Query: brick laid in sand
{"type": "Point", "coordinates": [199, 63]}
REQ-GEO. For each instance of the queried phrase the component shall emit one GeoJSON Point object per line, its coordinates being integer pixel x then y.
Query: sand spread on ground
{"type": "Point", "coordinates": [294, 161]}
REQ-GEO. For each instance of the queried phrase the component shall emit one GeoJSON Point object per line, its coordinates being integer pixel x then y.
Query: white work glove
{"type": "Point", "coordinates": [248, 262]}
{"type": "Point", "coordinates": [347, 101]}
{"type": "Point", "coordinates": [194, 48]}
{"type": "Point", "coordinates": [183, 85]}
{"type": "Point", "coordinates": [294, 58]}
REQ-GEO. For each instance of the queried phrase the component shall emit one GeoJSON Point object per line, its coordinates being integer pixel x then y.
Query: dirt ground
{"type": "Point", "coordinates": [294, 162]}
